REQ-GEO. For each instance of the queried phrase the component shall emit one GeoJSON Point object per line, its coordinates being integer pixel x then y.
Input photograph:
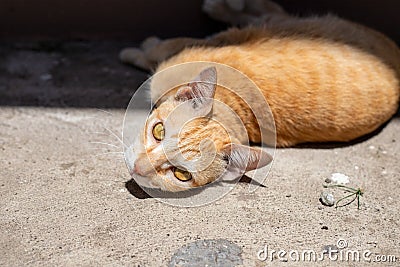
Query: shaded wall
{"type": "Point", "coordinates": [136, 19]}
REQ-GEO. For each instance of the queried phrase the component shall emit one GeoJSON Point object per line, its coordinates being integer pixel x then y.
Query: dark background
{"type": "Point", "coordinates": [137, 19]}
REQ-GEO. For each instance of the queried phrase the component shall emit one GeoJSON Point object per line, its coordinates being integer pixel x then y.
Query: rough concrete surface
{"type": "Point", "coordinates": [63, 202]}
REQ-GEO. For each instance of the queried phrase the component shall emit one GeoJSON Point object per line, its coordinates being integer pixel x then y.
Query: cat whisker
{"type": "Point", "coordinates": [104, 111]}
{"type": "Point", "coordinates": [107, 144]}
{"type": "Point", "coordinates": [101, 148]}
{"type": "Point", "coordinates": [97, 116]}
{"type": "Point", "coordinates": [109, 153]}
{"type": "Point", "coordinates": [100, 133]}
{"type": "Point", "coordinates": [116, 136]}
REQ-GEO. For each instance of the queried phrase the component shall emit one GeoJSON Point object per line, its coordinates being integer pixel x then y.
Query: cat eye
{"type": "Point", "coordinates": [158, 131]}
{"type": "Point", "coordinates": [182, 175]}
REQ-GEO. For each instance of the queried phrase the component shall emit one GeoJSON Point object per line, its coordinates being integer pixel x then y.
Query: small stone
{"type": "Point", "coordinates": [371, 147]}
{"type": "Point", "coordinates": [327, 199]}
{"type": "Point", "coordinates": [324, 227]}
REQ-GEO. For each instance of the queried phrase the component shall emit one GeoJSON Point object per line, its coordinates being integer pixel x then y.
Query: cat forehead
{"type": "Point", "coordinates": [163, 110]}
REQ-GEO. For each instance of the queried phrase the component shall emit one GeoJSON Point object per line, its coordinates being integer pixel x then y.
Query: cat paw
{"type": "Point", "coordinates": [240, 11]}
{"type": "Point", "coordinates": [149, 43]}
{"type": "Point", "coordinates": [136, 57]}
{"type": "Point", "coordinates": [237, 12]}
{"type": "Point", "coordinates": [221, 10]}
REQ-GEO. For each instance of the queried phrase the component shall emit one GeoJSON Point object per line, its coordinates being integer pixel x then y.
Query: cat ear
{"type": "Point", "coordinates": [246, 158]}
{"type": "Point", "coordinates": [200, 90]}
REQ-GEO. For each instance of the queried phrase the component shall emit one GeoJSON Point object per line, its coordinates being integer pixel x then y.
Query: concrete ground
{"type": "Point", "coordinates": [63, 202]}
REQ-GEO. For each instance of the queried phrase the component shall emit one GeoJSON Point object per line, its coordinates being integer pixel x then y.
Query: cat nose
{"type": "Point", "coordinates": [137, 170]}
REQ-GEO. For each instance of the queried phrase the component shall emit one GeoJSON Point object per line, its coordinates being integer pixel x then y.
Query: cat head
{"type": "Point", "coordinates": [182, 146]}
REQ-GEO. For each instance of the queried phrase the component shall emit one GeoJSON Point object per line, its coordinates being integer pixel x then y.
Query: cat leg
{"type": "Point", "coordinates": [154, 50]}
{"type": "Point", "coordinates": [138, 56]}
{"type": "Point", "coordinates": [242, 12]}
{"type": "Point", "coordinates": [135, 57]}
{"type": "Point", "coordinates": [167, 48]}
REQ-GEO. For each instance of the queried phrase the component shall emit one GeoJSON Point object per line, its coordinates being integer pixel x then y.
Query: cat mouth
{"type": "Point", "coordinates": [132, 172]}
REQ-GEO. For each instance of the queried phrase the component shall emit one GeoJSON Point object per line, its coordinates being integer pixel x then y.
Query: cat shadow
{"type": "Point", "coordinates": [143, 193]}
{"type": "Point", "coordinates": [245, 180]}
{"type": "Point", "coordinates": [135, 190]}
{"type": "Point", "coordinates": [138, 192]}
{"type": "Point", "coordinates": [397, 115]}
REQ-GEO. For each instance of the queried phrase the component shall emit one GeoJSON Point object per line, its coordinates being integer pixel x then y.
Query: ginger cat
{"type": "Point", "coordinates": [324, 78]}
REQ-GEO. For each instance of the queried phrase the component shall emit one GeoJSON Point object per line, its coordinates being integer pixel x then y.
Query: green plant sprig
{"type": "Point", "coordinates": [357, 193]}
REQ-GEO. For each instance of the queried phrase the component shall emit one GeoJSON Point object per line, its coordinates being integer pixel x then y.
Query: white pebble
{"type": "Point", "coordinates": [327, 199]}
{"type": "Point", "coordinates": [371, 147]}
{"type": "Point", "coordinates": [339, 178]}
